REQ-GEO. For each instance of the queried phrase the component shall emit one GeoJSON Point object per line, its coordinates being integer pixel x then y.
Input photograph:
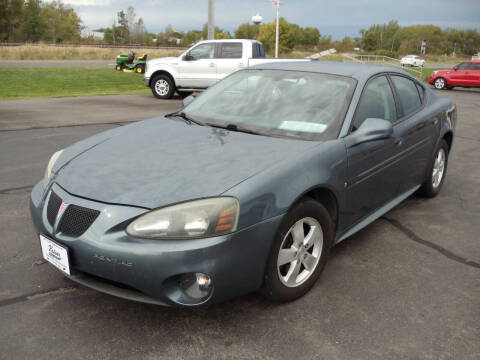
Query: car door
{"type": "Point", "coordinates": [229, 58]}
{"type": "Point", "coordinates": [373, 177]}
{"type": "Point", "coordinates": [417, 129]}
{"type": "Point", "coordinates": [475, 72]}
{"type": "Point", "coordinates": [459, 75]}
{"type": "Point", "coordinates": [198, 68]}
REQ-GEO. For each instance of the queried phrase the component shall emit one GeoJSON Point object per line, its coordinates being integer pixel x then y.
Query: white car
{"type": "Point", "coordinates": [203, 65]}
{"type": "Point", "coordinates": [412, 60]}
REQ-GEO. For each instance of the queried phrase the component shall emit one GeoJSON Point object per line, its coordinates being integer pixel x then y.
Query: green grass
{"type": "Point", "coordinates": [24, 83]}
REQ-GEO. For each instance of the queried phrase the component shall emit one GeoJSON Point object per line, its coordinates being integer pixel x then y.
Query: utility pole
{"type": "Point", "coordinates": [277, 31]}
{"type": "Point", "coordinates": [211, 19]}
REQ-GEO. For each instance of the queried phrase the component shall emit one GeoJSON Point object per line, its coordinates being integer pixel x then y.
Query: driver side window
{"type": "Point", "coordinates": [377, 101]}
{"type": "Point", "coordinates": [203, 51]}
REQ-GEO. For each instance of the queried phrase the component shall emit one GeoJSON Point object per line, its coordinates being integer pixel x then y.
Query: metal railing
{"type": "Point", "coordinates": [382, 60]}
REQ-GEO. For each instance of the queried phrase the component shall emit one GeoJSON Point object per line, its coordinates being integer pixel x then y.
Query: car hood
{"type": "Point", "coordinates": [164, 60]}
{"type": "Point", "coordinates": [162, 161]}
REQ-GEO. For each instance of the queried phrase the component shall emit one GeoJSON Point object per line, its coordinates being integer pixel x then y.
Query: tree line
{"type": "Point", "coordinates": [408, 39]}
{"type": "Point", "coordinates": [34, 20]}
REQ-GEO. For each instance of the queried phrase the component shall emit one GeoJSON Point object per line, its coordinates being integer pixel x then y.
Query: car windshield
{"type": "Point", "coordinates": [305, 105]}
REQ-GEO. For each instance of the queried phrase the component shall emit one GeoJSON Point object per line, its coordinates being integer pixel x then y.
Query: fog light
{"type": "Point", "coordinates": [197, 286]}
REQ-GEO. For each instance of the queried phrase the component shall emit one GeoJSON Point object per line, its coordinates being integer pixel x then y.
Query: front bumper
{"type": "Point", "coordinates": [146, 81]}
{"type": "Point", "coordinates": [107, 259]}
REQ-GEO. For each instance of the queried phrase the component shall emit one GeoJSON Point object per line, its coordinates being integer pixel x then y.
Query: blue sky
{"type": "Point", "coordinates": [336, 17]}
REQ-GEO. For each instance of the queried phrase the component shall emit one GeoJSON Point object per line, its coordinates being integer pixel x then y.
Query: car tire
{"type": "Point", "coordinates": [162, 86]}
{"type": "Point", "coordinates": [440, 83]}
{"type": "Point", "coordinates": [184, 94]}
{"type": "Point", "coordinates": [313, 226]}
{"type": "Point", "coordinates": [449, 87]}
{"type": "Point", "coordinates": [436, 171]}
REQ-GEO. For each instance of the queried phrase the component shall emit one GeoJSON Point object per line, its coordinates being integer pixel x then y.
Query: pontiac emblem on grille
{"type": "Point", "coordinates": [62, 209]}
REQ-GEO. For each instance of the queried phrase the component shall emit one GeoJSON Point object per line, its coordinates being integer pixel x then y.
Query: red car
{"type": "Point", "coordinates": [465, 74]}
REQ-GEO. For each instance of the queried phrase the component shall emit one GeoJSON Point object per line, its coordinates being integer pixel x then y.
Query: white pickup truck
{"type": "Point", "coordinates": [202, 65]}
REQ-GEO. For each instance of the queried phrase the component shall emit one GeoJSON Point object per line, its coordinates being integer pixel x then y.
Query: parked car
{"type": "Point", "coordinates": [465, 74]}
{"type": "Point", "coordinates": [412, 60]}
{"type": "Point", "coordinates": [247, 187]}
{"type": "Point", "coordinates": [202, 66]}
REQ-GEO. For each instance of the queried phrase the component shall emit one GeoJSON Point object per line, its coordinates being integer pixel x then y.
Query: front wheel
{"type": "Point", "coordinates": [299, 252]}
{"type": "Point", "coordinates": [440, 83]}
{"type": "Point", "coordinates": [118, 67]}
{"type": "Point", "coordinates": [162, 87]}
{"type": "Point", "coordinates": [139, 69]}
{"type": "Point", "coordinates": [438, 170]}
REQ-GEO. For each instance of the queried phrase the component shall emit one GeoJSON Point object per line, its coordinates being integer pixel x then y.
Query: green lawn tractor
{"type": "Point", "coordinates": [127, 63]}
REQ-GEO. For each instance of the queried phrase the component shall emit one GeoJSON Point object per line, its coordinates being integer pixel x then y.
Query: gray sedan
{"type": "Point", "coordinates": [247, 187]}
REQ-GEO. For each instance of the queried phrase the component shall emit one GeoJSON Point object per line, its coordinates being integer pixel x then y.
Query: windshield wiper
{"type": "Point", "coordinates": [234, 127]}
{"type": "Point", "coordinates": [189, 120]}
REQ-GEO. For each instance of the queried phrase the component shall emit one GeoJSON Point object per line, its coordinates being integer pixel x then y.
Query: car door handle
{"type": "Point", "coordinates": [398, 142]}
{"type": "Point", "coordinates": [240, 65]}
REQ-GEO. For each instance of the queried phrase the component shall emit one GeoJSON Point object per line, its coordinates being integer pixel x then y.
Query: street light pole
{"type": "Point", "coordinates": [277, 32]}
{"type": "Point", "coordinates": [211, 19]}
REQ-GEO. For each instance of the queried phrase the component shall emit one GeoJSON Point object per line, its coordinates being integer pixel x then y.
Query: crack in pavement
{"type": "Point", "coordinates": [466, 138]}
{"type": "Point", "coordinates": [66, 126]}
{"type": "Point", "coordinates": [34, 295]}
{"type": "Point", "coordinates": [10, 190]}
{"type": "Point", "coordinates": [447, 253]}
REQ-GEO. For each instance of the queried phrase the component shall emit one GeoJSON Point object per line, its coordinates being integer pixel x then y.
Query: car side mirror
{"type": "Point", "coordinates": [455, 68]}
{"type": "Point", "coordinates": [187, 101]}
{"type": "Point", "coordinates": [370, 130]}
{"type": "Point", "coordinates": [187, 57]}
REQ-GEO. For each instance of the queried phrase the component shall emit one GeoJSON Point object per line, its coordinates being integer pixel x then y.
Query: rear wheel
{"type": "Point", "coordinates": [162, 87]}
{"type": "Point", "coordinates": [118, 67]}
{"type": "Point", "coordinates": [440, 83]}
{"type": "Point", "coordinates": [139, 69]}
{"type": "Point", "coordinates": [299, 252]}
{"type": "Point", "coordinates": [438, 169]}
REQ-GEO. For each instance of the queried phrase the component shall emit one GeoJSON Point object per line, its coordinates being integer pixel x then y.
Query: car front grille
{"type": "Point", "coordinates": [52, 209]}
{"type": "Point", "coordinates": [76, 220]}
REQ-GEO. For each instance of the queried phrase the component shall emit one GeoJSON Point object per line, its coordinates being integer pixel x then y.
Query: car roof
{"type": "Point", "coordinates": [358, 71]}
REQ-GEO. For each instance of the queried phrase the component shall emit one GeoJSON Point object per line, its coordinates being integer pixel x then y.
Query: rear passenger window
{"type": "Point", "coordinates": [421, 91]}
{"type": "Point", "coordinates": [257, 51]}
{"type": "Point", "coordinates": [407, 93]}
{"type": "Point", "coordinates": [377, 102]}
{"type": "Point", "coordinates": [230, 51]}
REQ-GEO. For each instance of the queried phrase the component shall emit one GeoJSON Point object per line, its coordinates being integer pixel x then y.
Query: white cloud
{"type": "Point", "coordinates": [80, 3]}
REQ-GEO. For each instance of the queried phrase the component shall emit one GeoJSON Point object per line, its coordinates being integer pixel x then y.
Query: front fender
{"type": "Point", "coordinates": [275, 190]}
{"type": "Point", "coordinates": [162, 68]}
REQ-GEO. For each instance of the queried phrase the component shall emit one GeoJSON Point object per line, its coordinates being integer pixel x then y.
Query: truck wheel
{"type": "Point", "coordinates": [162, 87]}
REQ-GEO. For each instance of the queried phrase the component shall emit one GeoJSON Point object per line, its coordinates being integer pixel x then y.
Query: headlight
{"type": "Point", "coordinates": [193, 219]}
{"type": "Point", "coordinates": [48, 170]}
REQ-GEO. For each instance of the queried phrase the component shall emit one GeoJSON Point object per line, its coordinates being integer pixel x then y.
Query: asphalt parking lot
{"type": "Point", "coordinates": [405, 287]}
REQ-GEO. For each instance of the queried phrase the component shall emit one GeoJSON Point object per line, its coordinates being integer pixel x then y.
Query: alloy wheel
{"type": "Point", "coordinates": [439, 83]}
{"type": "Point", "coordinates": [162, 87]}
{"type": "Point", "coordinates": [300, 252]}
{"type": "Point", "coordinates": [438, 168]}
